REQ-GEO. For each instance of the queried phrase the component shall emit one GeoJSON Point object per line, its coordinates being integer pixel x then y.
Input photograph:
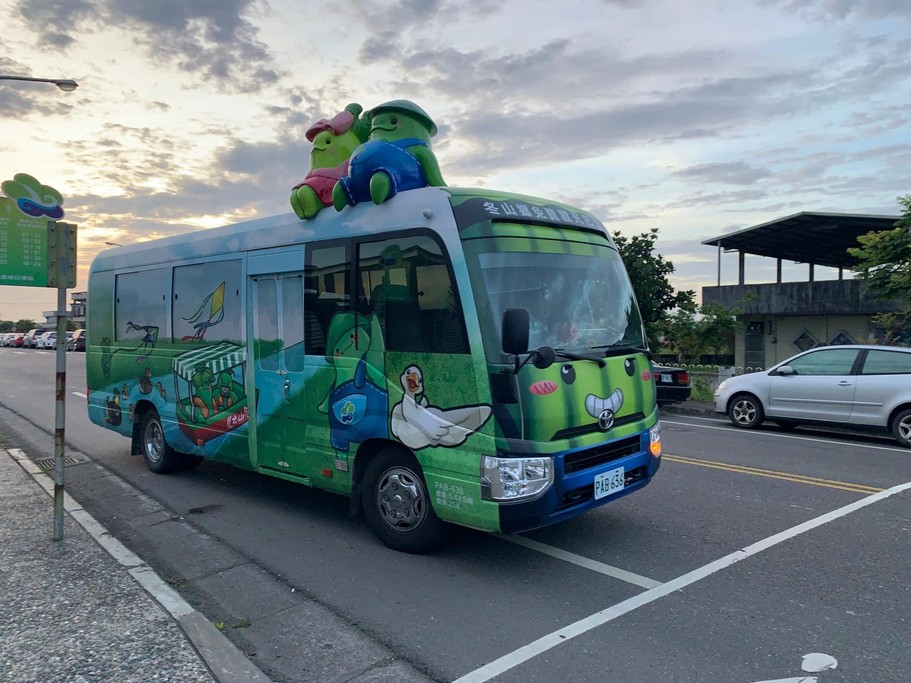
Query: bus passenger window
{"type": "Point", "coordinates": [412, 294]}
{"type": "Point", "coordinates": [293, 323]}
{"type": "Point", "coordinates": [326, 275]}
{"type": "Point", "coordinates": [314, 331]}
{"type": "Point", "coordinates": [268, 342]}
{"type": "Point", "coordinates": [141, 305]}
{"type": "Point", "coordinates": [207, 302]}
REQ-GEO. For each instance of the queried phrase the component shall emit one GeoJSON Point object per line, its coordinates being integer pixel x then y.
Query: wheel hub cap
{"type": "Point", "coordinates": [401, 500]}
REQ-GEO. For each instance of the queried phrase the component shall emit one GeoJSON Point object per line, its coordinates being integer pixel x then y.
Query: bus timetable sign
{"type": "Point", "coordinates": [23, 247]}
{"type": "Point", "coordinates": [35, 251]}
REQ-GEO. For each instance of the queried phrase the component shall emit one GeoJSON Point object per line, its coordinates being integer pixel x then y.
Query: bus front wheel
{"type": "Point", "coordinates": [397, 504]}
{"type": "Point", "coordinates": [158, 455]}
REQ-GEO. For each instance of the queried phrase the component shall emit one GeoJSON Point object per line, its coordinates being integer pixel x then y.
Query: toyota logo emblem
{"type": "Point", "coordinates": [606, 419]}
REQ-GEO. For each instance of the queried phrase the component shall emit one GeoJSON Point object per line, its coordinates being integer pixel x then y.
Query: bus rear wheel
{"type": "Point", "coordinates": [158, 455]}
{"type": "Point", "coordinates": [397, 504]}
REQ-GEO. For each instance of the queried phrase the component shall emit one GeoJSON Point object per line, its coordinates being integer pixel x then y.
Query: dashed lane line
{"type": "Point", "coordinates": [773, 474]}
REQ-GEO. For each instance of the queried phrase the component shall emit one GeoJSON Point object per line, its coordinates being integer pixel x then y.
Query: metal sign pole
{"type": "Point", "coordinates": [61, 240]}
{"type": "Point", "coordinates": [60, 413]}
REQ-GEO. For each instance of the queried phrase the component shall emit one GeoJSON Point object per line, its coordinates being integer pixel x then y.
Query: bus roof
{"type": "Point", "coordinates": [428, 207]}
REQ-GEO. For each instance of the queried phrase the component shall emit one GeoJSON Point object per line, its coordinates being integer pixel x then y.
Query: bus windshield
{"type": "Point", "coordinates": [578, 295]}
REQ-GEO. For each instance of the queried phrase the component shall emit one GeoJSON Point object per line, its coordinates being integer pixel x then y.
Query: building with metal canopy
{"type": "Point", "coordinates": [783, 318]}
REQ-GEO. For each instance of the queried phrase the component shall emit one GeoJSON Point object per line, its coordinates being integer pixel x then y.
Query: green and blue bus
{"type": "Point", "coordinates": [450, 356]}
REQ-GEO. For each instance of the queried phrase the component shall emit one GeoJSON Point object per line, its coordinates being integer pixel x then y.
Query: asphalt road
{"type": "Point", "coordinates": [747, 552]}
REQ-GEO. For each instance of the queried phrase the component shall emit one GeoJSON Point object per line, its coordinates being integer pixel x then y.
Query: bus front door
{"type": "Point", "coordinates": [278, 353]}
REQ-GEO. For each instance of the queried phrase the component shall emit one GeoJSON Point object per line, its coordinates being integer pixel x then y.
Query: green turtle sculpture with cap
{"type": "Point", "coordinates": [396, 156]}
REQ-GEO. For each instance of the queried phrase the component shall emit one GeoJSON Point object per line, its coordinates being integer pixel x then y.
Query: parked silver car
{"type": "Point", "coordinates": [849, 386]}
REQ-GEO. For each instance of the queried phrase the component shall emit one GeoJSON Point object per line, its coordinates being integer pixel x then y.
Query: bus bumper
{"type": "Point", "coordinates": [574, 491]}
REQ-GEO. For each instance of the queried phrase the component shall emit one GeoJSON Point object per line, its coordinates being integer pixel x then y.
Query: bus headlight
{"type": "Point", "coordinates": [654, 437]}
{"type": "Point", "coordinates": [509, 479]}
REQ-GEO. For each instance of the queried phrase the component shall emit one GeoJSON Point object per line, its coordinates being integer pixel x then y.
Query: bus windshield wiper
{"type": "Point", "coordinates": [623, 350]}
{"type": "Point", "coordinates": [579, 356]}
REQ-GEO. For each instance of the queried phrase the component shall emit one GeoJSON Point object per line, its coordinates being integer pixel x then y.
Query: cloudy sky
{"type": "Point", "coordinates": [697, 118]}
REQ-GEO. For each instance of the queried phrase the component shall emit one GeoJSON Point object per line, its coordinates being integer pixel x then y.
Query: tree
{"type": "Point", "coordinates": [24, 325]}
{"type": "Point", "coordinates": [648, 272]}
{"type": "Point", "coordinates": [884, 267]}
{"type": "Point", "coordinates": [691, 334]}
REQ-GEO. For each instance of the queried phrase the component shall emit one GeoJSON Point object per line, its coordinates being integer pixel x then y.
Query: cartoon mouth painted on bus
{"type": "Point", "coordinates": [418, 424]}
{"type": "Point", "coordinates": [604, 409]}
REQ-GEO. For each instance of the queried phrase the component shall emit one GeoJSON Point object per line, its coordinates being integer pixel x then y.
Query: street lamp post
{"type": "Point", "coordinates": [65, 84]}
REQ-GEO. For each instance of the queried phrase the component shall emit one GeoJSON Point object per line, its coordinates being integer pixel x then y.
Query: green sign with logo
{"type": "Point", "coordinates": [35, 250]}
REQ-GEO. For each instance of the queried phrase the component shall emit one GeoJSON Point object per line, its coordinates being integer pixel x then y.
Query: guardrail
{"type": "Point", "coordinates": [704, 379]}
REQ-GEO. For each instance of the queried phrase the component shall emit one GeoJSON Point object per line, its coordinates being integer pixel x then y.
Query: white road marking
{"type": "Point", "coordinates": [812, 663]}
{"type": "Point", "coordinates": [790, 436]}
{"type": "Point", "coordinates": [551, 640]}
{"type": "Point", "coordinates": [818, 661]}
{"type": "Point", "coordinates": [720, 420]}
{"type": "Point", "coordinates": [594, 565]}
{"type": "Point", "coordinates": [80, 395]}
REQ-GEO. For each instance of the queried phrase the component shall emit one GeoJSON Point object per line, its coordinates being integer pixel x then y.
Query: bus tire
{"type": "Point", "coordinates": [158, 455]}
{"type": "Point", "coordinates": [397, 504]}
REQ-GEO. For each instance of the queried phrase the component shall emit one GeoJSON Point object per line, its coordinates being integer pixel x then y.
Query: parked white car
{"type": "Point", "coordinates": [47, 340]}
{"type": "Point", "coordinates": [848, 386]}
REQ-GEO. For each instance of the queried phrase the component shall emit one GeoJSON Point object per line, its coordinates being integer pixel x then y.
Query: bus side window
{"type": "Point", "coordinates": [411, 292]}
{"type": "Point", "coordinates": [326, 276]}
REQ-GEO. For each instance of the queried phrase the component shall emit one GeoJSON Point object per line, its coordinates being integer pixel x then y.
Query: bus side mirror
{"type": "Point", "coordinates": [515, 331]}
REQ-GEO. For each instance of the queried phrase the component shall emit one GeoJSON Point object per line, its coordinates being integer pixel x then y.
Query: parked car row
{"type": "Point", "coordinates": [14, 339]}
{"type": "Point", "coordinates": [42, 339]}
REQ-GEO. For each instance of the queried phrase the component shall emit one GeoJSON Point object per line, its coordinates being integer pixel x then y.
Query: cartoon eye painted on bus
{"type": "Point", "coordinates": [630, 366]}
{"type": "Point", "coordinates": [568, 374]}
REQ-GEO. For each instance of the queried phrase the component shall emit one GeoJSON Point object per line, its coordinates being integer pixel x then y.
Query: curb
{"type": "Point", "coordinates": [226, 663]}
{"type": "Point", "coordinates": [696, 408]}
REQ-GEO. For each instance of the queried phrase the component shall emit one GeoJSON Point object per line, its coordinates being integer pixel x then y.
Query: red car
{"type": "Point", "coordinates": [18, 340]}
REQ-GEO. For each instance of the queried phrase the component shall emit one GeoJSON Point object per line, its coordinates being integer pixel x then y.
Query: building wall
{"type": "Point", "coordinates": [822, 297]}
{"type": "Point", "coordinates": [786, 335]}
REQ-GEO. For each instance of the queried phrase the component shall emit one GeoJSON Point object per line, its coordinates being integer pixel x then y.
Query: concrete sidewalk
{"type": "Point", "coordinates": [87, 609]}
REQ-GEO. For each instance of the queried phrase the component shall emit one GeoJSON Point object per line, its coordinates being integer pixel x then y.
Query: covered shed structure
{"type": "Point", "coordinates": [782, 318]}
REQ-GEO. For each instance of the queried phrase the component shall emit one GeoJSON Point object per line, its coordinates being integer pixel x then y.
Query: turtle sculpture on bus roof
{"type": "Point", "coordinates": [396, 157]}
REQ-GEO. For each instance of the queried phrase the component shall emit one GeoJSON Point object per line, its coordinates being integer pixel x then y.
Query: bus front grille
{"type": "Point", "coordinates": [605, 453]}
